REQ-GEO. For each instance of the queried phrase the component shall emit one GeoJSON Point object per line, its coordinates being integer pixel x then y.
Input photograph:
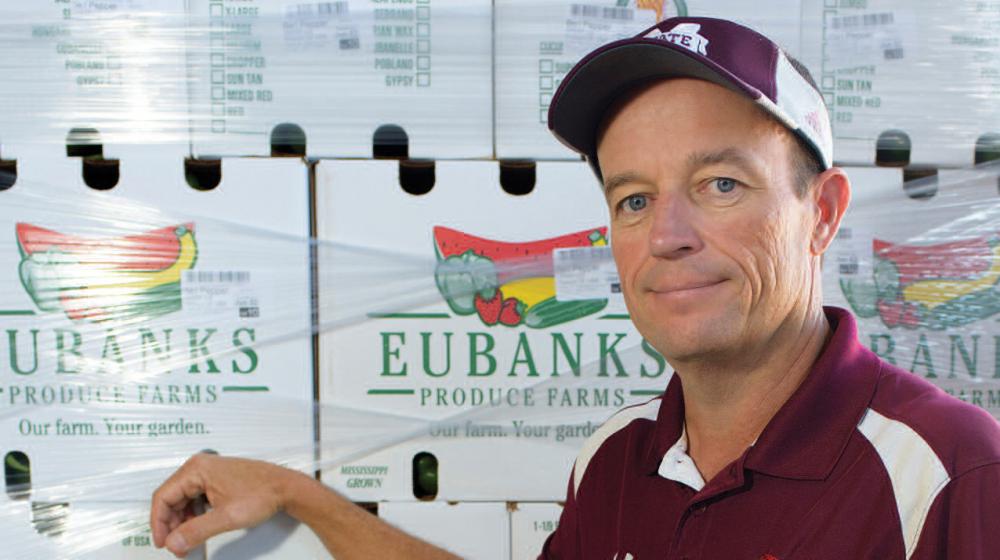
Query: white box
{"type": "Point", "coordinates": [277, 538]}
{"type": "Point", "coordinates": [926, 68]}
{"type": "Point", "coordinates": [538, 43]}
{"type": "Point", "coordinates": [920, 276]}
{"type": "Point", "coordinates": [470, 530]}
{"type": "Point", "coordinates": [117, 67]}
{"type": "Point", "coordinates": [16, 530]}
{"type": "Point", "coordinates": [214, 351]}
{"type": "Point", "coordinates": [127, 537]}
{"type": "Point", "coordinates": [383, 404]}
{"type": "Point", "coordinates": [530, 525]}
{"type": "Point", "coordinates": [89, 531]}
{"type": "Point", "coordinates": [339, 70]}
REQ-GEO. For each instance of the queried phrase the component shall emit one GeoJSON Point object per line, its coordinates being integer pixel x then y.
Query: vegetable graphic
{"type": "Point", "coordinates": [508, 283]}
{"type": "Point", "coordinates": [99, 279]}
{"type": "Point", "coordinates": [931, 286]}
{"type": "Point", "coordinates": [489, 310]}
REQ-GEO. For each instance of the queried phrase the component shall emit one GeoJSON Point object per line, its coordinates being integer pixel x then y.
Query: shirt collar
{"type": "Point", "coordinates": [678, 466]}
{"type": "Point", "coordinates": [807, 436]}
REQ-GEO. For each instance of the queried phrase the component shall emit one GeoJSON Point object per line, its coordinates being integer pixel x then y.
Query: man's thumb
{"type": "Point", "coordinates": [195, 531]}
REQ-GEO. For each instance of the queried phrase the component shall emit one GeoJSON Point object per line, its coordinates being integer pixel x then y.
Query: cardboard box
{"type": "Point", "coordinates": [538, 43]}
{"type": "Point", "coordinates": [530, 525]}
{"type": "Point", "coordinates": [340, 70]}
{"type": "Point", "coordinates": [920, 276]}
{"type": "Point", "coordinates": [202, 343]}
{"type": "Point", "coordinates": [114, 67]}
{"type": "Point", "coordinates": [408, 370]}
{"type": "Point", "coordinates": [16, 528]}
{"type": "Point", "coordinates": [925, 68]}
{"type": "Point", "coordinates": [470, 530]}
{"type": "Point", "coordinates": [113, 531]}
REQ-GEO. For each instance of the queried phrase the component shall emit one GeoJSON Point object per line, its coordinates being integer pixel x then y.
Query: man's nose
{"type": "Point", "coordinates": [673, 234]}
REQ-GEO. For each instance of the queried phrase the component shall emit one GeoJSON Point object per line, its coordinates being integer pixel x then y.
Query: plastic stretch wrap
{"type": "Point", "coordinates": [233, 77]}
{"type": "Point", "coordinates": [457, 344]}
{"type": "Point", "coordinates": [920, 274]}
{"type": "Point", "coordinates": [538, 42]}
{"type": "Point", "coordinates": [131, 343]}
{"type": "Point", "coordinates": [451, 79]}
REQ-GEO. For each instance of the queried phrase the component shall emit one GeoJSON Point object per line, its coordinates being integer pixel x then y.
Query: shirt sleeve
{"type": "Point", "coordinates": [563, 543]}
{"type": "Point", "coordinates": [963, 523]}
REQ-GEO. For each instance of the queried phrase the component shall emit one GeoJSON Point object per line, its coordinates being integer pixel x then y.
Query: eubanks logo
{"type": "Point", "coordinates": [100, 279]}
{"type": "Point", "coordinates": [509, 284]}
{"type": "Point", "coordinates": [934, 287]}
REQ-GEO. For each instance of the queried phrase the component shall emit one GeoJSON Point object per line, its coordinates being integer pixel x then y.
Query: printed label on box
{"type": "Point", "coordinates": [586, 273]}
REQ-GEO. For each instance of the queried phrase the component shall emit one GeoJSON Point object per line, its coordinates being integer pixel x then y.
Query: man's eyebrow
{"type": "Point", "coordinates": [734, 156]}
{"type": "Point", "coordinates": [624, 178]}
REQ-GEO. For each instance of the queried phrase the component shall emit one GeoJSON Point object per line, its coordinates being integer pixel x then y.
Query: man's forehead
{"type": "Point", "coordinates": [641, 122]}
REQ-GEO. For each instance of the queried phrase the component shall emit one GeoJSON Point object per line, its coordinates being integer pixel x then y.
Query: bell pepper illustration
{"type": "Point", "coordinates": [99, 279]}
{"type": "Point", "coordinates": [509, 283]}
{"type": "Point", "coordinates": [929, 286]}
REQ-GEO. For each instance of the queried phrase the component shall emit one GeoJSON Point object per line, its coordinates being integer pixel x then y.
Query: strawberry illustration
{"type": "Point", "coordinates": [489, 309]}
{"type": "Point", "coordinates": [511, 314]}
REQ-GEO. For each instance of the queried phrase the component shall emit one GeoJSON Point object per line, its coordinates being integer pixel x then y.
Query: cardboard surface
{"type": "Point", "coordinates": [339, 70]}
{"type": "Point", "coordinates": [470, 530]}
{"type": "Point", "coordinates": [277, 538]}
{"type": "Point", "coordinates": [926, 68]}
{"type": "Point", "coordinates": [530, 525]}
{"type": "Point", "coordinates": [404, 372]}
{"type": "Point", "coordinates": [115, 67]}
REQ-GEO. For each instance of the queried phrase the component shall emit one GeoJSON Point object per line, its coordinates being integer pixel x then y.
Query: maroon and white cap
{"type": "Point", "coordinates": [715, 50]}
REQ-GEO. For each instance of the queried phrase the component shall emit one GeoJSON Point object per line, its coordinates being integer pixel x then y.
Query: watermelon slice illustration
{"type": "Point", "coordinates": [99, 279]}
{"type": "Point", "coordinates": [932, 286]}
{"type": "Point", "coordinates": [508, 283]}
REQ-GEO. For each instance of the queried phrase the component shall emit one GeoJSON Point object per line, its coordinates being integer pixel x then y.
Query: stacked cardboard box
{"type": "Point", "coordinates": [339, 71]}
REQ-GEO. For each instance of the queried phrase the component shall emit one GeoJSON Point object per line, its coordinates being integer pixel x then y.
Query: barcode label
{"type": "Point", "coordinates": [217, 276]}
{"type": "Point", "coordinates": [893, 54]}
{"type": "Point", "coordinates": [862, 20]}
{"type": "Point", "coordinates": [602, 12]}
{"type": "Point", "coordinates": [585, 273]}
{"type": "Point", "coordinates": [219, 294]}
{"type": "Point", "coordinates": [322, 9]}
{"type": "Point", "coordinates": [848, 264]}
{"type": "Point", "coordinates": [855, 39]}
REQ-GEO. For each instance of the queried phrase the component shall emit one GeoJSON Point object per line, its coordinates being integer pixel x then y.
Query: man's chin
{"type": "Point", "coordinates": [686, 344]}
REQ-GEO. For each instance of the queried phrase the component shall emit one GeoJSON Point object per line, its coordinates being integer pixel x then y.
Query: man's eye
{"type": "Point", "coordinates": [725, 184]}
{"type": "Point", "coordinates": [634, 203]}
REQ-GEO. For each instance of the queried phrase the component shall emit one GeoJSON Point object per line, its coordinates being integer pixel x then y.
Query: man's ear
{"type": "Point", "coordinates": [830, 194]}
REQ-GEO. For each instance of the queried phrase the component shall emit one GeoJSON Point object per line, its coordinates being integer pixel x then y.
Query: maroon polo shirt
{"type": "Point", "coordinates": [864, 461]}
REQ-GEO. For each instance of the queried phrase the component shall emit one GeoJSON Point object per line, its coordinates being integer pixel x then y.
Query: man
{"type": "Point", "coordinates": [780, 437]}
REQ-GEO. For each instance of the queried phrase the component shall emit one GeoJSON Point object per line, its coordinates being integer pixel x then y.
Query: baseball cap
{"type": "Point", "coordinates": [715, 50]}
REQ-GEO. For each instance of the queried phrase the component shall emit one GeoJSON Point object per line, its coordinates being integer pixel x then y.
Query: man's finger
{"type": "Point", "coordinates": [195, 531]}
{"type": "Point", "coordinates": [172, 497]}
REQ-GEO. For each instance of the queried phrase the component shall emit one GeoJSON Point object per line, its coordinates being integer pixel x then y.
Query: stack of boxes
{"type": "Point", "coordinates": [434, 348]}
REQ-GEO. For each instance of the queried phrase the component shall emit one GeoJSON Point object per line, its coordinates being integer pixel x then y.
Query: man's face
{"type": "Point", "coordinates": [711, 242]}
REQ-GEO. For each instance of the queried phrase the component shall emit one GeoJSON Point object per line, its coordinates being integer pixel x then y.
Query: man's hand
{"type": "Point", "coordinates": [241, 493]}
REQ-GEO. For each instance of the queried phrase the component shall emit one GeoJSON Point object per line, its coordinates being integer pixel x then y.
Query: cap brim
{"type": "Point", "coordinates": [587, 92]}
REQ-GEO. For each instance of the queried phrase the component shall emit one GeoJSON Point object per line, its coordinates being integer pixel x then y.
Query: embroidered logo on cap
{"type": "Point", "coordinates": [687, 36]}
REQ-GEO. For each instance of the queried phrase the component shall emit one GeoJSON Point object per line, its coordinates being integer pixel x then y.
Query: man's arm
{"type": "Point", "coordinates": [244, 493]}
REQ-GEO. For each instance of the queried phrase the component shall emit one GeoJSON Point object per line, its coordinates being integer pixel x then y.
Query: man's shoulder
{"type": "Point", "coordinates": [905, 406]}
{"type": "Point", "coordinates": [617, 428]}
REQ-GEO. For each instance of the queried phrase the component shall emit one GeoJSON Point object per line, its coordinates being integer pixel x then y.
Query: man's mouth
{"type": "Point", "coordinates": [686, 289]}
